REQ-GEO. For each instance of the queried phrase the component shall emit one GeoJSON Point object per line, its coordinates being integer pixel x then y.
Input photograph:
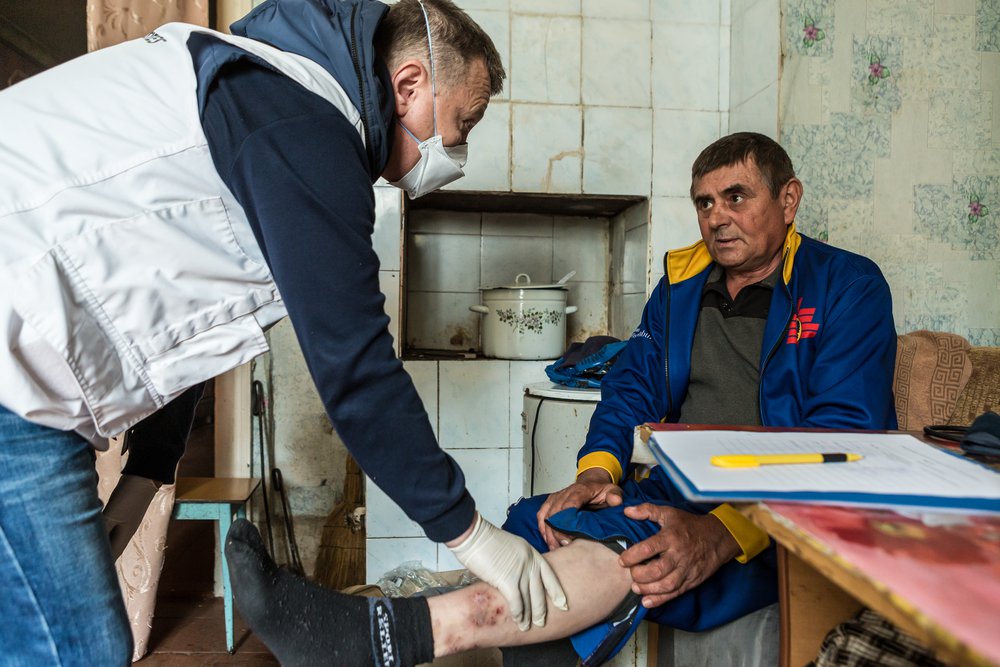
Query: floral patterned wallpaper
{"type": "Point", "coordinates": [890, 110]}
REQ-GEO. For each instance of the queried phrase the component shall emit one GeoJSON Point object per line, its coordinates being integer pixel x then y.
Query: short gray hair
{"type": "Point", "coordinates": [458, 41]}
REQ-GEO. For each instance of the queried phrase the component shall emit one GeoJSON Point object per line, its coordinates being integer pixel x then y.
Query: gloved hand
{"type": "Point", "coordinates": [512, 566]}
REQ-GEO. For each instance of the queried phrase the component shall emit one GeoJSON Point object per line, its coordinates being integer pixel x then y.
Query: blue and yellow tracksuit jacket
{"type": "Point", "coordinates": [826, 360]}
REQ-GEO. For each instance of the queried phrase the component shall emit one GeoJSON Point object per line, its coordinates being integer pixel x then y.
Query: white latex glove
{"type": "Point", "coordinates": [509, 564]}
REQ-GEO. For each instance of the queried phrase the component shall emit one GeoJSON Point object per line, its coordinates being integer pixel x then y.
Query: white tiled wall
{"type": "Point", "coordinates": [476, 408]}
{"type": "Point", "coordinates": [451, 255]}
{"type": "Point", "coordinates": [755, 52]}
{"type": "Point", "coordinates": [602, 98]}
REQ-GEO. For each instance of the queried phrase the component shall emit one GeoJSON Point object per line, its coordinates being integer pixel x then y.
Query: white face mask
{"type": "Point", "coordinates": [438, 165]}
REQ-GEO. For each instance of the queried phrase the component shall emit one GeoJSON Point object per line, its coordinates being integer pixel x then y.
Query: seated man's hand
{"type": "Point", "coordinates": [688, 550]}
{"type": "Point", "coordinates": [593, 488]}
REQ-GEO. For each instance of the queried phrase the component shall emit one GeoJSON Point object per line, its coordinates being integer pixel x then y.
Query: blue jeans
{"type": "Point", "coordinates": [60, 603]}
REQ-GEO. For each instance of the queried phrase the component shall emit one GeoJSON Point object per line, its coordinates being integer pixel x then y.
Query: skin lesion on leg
{"type": "Point", "coordinates": [477, 616]}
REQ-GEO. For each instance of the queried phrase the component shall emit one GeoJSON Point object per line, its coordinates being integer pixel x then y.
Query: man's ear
{"type": "Point", "coordinates": [791, 195]}
{"type": "Point", "coordinates": [407, 82]}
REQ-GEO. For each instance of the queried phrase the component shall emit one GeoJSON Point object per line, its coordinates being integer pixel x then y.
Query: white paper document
{"type": "Point", "coordinates": [896, 470]}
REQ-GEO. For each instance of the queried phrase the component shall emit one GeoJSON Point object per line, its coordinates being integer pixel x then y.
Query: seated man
{"type": "Point", "coordinates": [754, 325]}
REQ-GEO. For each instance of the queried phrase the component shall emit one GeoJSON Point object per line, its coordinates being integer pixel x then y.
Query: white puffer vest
{"type": "Point", "coordinates": [128, 270]}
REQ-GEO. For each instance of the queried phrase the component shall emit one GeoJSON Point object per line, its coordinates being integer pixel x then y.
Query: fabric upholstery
{"type": "Point", "coordinates": [140, 564]}
{"type": "Point", "coordinates": [982, 392]}
{"type": "Point", "coordinates": [931, 370]}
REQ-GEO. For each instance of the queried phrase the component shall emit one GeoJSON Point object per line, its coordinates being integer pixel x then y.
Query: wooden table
{"type": "Point", "coordinates": [937, 579]}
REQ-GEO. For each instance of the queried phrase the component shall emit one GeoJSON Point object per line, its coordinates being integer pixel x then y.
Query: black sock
{"type": "Point", "coordinates": [303, 623]}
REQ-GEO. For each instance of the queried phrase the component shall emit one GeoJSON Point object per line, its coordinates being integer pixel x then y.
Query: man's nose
{"type": "Point", "coordinates": [717, 217]}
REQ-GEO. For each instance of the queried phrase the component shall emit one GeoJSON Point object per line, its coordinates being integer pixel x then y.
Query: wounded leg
{"type": "Point", "coordinates": [477, 616]}
{"type": "Point", "coordinates": [305, 624]}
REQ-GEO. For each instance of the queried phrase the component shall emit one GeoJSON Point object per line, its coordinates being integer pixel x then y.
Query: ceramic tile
{"type": "Point", "coordinates": [755, 47]}
{"type": "Point", "coordinates": [724, 67]}
{"type": "Point", "coordinates": [617, 252]}
{"type": "Point", "coordinates": [581, 245]}
{"type": "Point", "coordinates": [758, 114]}
{"type": "Point", "coordinates": [591, 317]}
{"type": "Point", "coordinates": [488, 167]}
{"type": "Point", "coordinates": [384, 554]}
{"type": "Point", "coordinates": [442, 321]}
{"type": "Point", "coordinates": [605, 81]}
{"type": "Point", "coordinates": [517, 224]}
{"type": "Point", "coordinates": [674, 225]}
{"type": "Point", "coordinates": [545, 66]}
{"type": "Point", "coordinates": [495, 5]}
{"type": "Point", "coordinates": [620, 9]}
{"type": "Point", "coordinates": [686, 11]}
{"type": "Point", "coordinates": [443, 222]}
{"type": "Point", "coordinates": [686, 66]}
{"type": "Point", "coordinates": [522, 373]}
{"type": "Point", "coordinates": [547, 148]}
{"type": "Point", "coordinates": [425, 379]}
{"type": "Point", "coordinates": [505, 257]}
{"type": "Point", "coordinates": [386, 238]}
{"type": "Point", "coordinates": [515, 479]}
{"type": "Point", "coordinates": [443, 263]}
{"type": "Point", "coordinates": [634, 303]}
{"type": "Point", "coordinates": [388, 283]}
{"type": "Point", "coordinates": [617, 157]}
{"type": "Point", "coordinates": [636, 215]}
{"type": "Point", "coordinates": [556, 7]}
{"type": "Point", "coordinates": [634, 262]}
{"type": "Point", "coordinates": [486, 479]}
{"type": "Point", "coordinates": [474, 404]}
{"type": "Point", "coordinates": [495, 22]}
{"type": "Point", "coordinates": [679, 137]}
{"type": "Point", "coordinates": [384, 518]}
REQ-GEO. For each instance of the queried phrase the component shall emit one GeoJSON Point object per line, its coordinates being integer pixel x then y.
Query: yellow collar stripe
{"type": "Point", "coordinates": [685, 263]}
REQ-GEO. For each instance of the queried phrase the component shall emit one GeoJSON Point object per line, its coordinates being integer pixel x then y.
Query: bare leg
{"type": "Point", "coordinates": [477, 616]}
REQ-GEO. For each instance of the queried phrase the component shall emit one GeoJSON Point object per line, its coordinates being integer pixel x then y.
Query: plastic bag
{"type": "Point", "coordinates": [412, 578]}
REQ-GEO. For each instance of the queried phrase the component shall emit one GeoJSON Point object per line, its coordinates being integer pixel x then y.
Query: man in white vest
{"type": "Point", "coordinates": [162, 203]}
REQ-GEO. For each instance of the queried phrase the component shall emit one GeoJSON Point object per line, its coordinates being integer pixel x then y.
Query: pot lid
{"type": "Point", "coordinates": [523, 281]}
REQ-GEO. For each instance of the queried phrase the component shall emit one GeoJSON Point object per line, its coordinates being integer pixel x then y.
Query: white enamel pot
{"type": "Point", "coordinates": [524, 321]}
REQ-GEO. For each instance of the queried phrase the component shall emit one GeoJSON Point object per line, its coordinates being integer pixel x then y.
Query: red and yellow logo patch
{"type": "Point", "coordinates": [802, 325]}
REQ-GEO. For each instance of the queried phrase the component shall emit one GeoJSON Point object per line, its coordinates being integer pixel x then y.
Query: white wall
{"type": "Point", "coordinates": [602, 98]}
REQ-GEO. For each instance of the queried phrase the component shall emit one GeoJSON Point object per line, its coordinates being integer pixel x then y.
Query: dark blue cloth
{"type": "Point", "coordinates": [299, 170]}
{"type": "Point", "coordinates": [335, 34]}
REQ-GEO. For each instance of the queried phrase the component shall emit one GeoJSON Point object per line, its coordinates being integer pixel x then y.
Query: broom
{"type": "Point", "coordinates": [341, 559]}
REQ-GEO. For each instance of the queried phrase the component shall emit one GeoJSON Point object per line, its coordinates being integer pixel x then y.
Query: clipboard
{"type": "Point", "coordinates": [897, 471]}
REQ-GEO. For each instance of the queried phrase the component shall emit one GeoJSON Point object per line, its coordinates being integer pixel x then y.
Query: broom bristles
{"type": "Point", "coordinates": [341, 559]}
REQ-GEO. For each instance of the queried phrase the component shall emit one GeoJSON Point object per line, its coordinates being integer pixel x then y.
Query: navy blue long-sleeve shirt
{"type": "Point", "coordinates": [300, 172]}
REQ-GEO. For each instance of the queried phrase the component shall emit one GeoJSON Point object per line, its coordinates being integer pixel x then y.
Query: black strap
{"type": "Point", "coordinates": [946, 432]}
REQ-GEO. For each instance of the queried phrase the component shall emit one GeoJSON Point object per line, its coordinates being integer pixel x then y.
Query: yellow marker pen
{"type": "Point", "coordinates": [754, 460]}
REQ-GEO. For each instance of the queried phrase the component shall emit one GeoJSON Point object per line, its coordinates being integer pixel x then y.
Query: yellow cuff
{"type": "Point", "coordinates": [752, 540]}
{"type": "Point", "coordinates": [602, 460]}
